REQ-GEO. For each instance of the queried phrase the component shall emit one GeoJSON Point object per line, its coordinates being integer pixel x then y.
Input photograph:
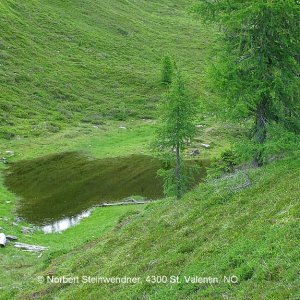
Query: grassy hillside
{"type": "Point", "coordinates": [70, 73]}
{"type": "Point", "coordinates": [21, 268]}
{"type": "Point", "coordinates": [18, 266]}
{"type": "Point", "coordinates": [251, 233]}
{"type": "Point", "coordinates": [68, 62]}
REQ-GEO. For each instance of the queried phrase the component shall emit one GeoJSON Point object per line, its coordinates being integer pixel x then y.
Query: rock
{"type": "Point", "coordinates": [205, 146]}
{"type": "Point", "coordinates": [19, 219]}
{"type": "Point", "coordinates": [2, 240]}
{"type": "Point", "coordinates": [27, 230]}
{"type": "Point", "coordinates": [4, 160]}
{"type": "Point", "coordinates": [11, 238]}
{"type": "Point", "coordinates": [195, 152]}
{"type": "Point", "coordinates": [10, 153]}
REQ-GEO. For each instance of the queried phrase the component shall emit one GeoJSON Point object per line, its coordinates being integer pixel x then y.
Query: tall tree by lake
{"type": "Point", "coordinates": [257, 71]}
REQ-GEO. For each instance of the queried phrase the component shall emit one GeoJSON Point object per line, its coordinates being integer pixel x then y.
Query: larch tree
{"type": "Point", "coordinates": [176, 129]}
{"type": "Point", "coordinates": [167, 70]}
{"type": "Point", "coordinates": [257, 70]}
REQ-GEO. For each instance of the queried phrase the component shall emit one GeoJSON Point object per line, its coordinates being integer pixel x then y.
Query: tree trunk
{"type": "Point", "coordinates": [261, 128]}
{"type": "Point", "coordinates": [177, 172]}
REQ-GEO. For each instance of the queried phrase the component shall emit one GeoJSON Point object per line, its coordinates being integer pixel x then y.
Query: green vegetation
{"type": "Point", "coordinates": [85, 76]}
{"type": "Point", "coordinates": [257, 71]}
{"type": "Point", "coordinates": [251, 233]}
{"type": "Point", "coordinates": [16, 266]}
{"type": "Point", "coordinates": [176, 130]}
{"type": "Point", "coordinates": [108, 141]}
{"type": "Point", "coordinates": [64, 63]}
{"type": "Point", "coordinates": [167, 70]}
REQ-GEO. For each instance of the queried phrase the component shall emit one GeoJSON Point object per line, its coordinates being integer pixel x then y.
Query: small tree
{"type": "Point", "coordinates": [166, 70]}
{"type": "Point", "coordinates": [176, 128]}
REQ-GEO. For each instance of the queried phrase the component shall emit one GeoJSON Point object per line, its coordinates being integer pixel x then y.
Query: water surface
{"type": "Point", "coordinates": [57, 190]}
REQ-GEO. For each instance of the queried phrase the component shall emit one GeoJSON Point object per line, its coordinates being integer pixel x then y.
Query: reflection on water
{"type": "Point", "coordinates": [54, 187]}
{"type": "Point", "coordinates": [65, 223]}
{"type": "Point", "coordinates": [57, 191]}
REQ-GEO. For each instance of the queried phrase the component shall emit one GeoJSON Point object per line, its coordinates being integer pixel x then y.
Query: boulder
{"type": "Point", "coordinates": [4, 160]}
{"type": "Point", "coordinates": [205, 146]}
{"type": "Point", "coordinates": [2, 240]}
{"type": "Point", "coordinates": [10, 153]}
{"type": "Point", "coordinates": [27, 230]}
{"type": "Point", "coordinates": [195, 152]}
{"type": "Point", "coordinates": [19, 219]}
{"type": "Point", "coordinates": [11, 238]}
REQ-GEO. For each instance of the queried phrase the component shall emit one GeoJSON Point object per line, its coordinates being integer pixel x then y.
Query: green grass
{"type": "Point", "coordinates": [111, 141]}
{"type": "Point", "coordinates": [64, 63]}
{"type": "Point", "coordinates": [106, 141]}
{"type": "Point", "coordinates": [71, 73]}
{"type": "Point", "coordinates": [17, 267]}
{"type": "Point", "coordinates": [252, 234]}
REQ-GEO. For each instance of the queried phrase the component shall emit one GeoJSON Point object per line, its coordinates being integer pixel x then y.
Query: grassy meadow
{"type": "Point", "coordinates": [66, 63]}
{"type": "Point", "coordinates": [84, 76]}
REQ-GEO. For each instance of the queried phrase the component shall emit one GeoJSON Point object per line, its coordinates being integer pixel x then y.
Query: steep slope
{"type": "Point", "coordinates": [65, 62]}
{"type": "Point", "coordinates": [215, 231]}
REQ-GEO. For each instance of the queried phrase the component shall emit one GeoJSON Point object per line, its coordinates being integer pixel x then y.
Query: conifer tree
{"type": "Point", "coordinates": [257, 72]}
{"type": "Point", "coordinates": [166, 70]}
{"type": "Point", "coordinates": [176, 128]}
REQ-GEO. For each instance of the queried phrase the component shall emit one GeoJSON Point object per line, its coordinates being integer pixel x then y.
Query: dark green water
{"type": "Point", "coordinates": [58, 186]}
